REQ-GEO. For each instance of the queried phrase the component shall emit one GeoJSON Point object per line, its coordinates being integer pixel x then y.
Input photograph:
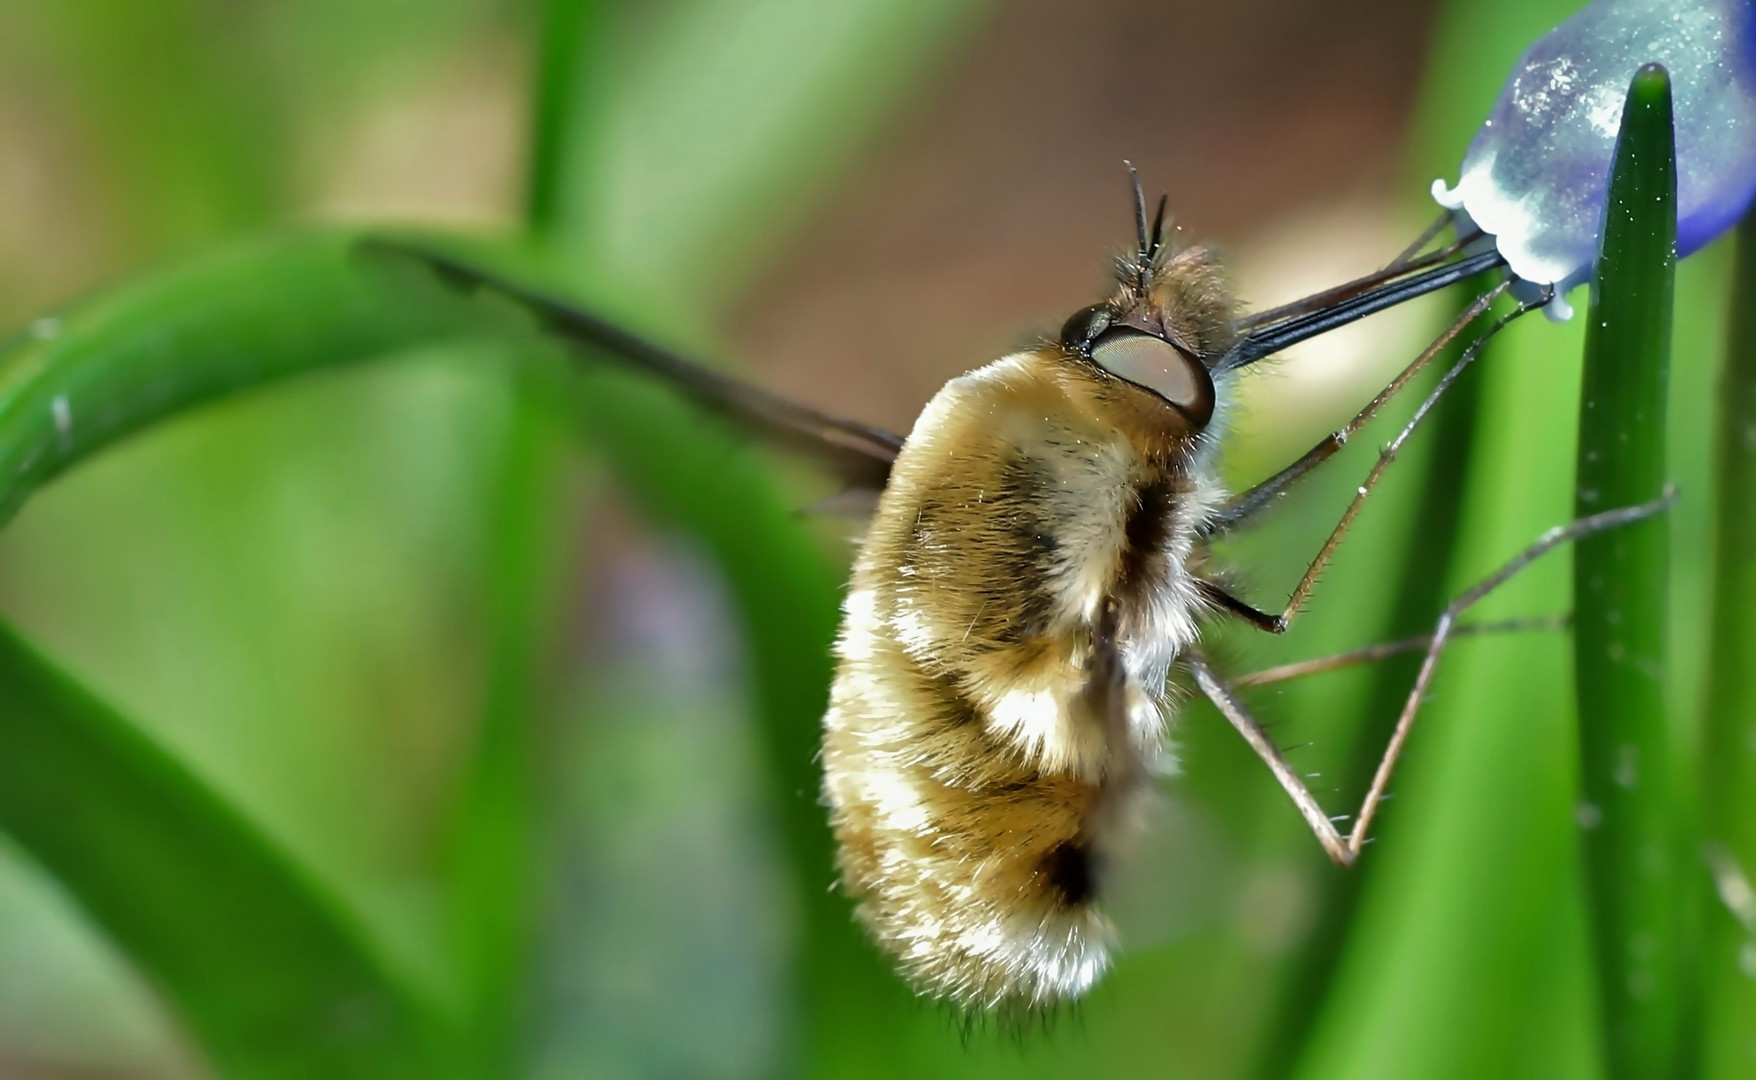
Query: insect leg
{"type": "Point", "coordinates": [1298, 669]}
{"type": "Point", "coordinates": [1413, 251]}
{"type": "Point", "coordinates": [1106, 699]}
{"type": "Point", "coordinates": [1345, 851]}
{"type": "Point", "coordinates": [1217, 595]}
{"type": "Point", "coordinates": [1106, 679]}
{"type": "Point", "coordinates": [1446, 628]}
{"type": "Point", "coordinates": [1234, 710]}
{"type": "Point", "coordinates": [1248, 503]}
{"type": "Point", "coordinates": [1309, 581]}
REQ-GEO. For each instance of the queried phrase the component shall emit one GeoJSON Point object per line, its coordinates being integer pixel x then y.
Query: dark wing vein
{"type": "Point", "coordinates": [860, 454]}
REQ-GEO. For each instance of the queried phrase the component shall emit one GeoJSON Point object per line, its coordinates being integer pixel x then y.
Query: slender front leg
{"type": "Point", "coordinates": [1321, 560]}
{"type": "Point", "coordinates": [1248, 503]}
{"type": "Point", "coordinates": [1345, 851]}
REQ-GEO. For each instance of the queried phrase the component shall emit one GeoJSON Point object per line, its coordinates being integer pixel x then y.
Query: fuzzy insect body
{"type": "Point", "coordinates": [1026, 583]}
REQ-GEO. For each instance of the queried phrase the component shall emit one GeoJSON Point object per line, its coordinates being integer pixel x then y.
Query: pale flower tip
{"type": "Point", "coordinates": [1536, 175]}
{"type": "Point", "coordinates": [1557, 309]}
{"type": "Point", "coordinates": [1451, 198]}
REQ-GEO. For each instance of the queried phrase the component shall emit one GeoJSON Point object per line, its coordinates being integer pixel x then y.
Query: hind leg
{"type": "Point", "coordinates": [1345, 850]}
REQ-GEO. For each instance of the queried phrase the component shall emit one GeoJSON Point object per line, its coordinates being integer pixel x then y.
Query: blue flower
{"type": "Point", "coordinates": [1537, 172]}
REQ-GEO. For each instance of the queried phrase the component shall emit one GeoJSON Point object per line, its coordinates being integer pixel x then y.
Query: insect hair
{"type": "Point", "coordinates": [1016, 1023]}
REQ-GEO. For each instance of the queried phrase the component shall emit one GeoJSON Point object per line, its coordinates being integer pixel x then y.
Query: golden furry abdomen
{"type": "Point", "coordinates": [973, 793]}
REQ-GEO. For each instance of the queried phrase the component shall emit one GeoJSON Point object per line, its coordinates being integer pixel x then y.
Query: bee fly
{"type": "Point", "coordinates": [1036, 568]}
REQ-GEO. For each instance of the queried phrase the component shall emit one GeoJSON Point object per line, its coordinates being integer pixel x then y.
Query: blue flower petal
{"type": "Point", "coordinates": [1537, 172]}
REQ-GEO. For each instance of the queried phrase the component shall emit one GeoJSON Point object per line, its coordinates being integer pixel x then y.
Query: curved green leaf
{"type": "Point", "coordinates": [75, 382]}
{"type": "Point", "coordinates": [273, 977]}
{"type": "Point", "coordinates": [264, 967]}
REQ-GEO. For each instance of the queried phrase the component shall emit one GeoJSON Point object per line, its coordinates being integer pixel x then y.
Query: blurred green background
{"type": "Point", "coordinates": [525, 669]}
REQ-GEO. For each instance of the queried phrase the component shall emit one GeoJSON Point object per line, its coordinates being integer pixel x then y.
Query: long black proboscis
{"type": "Point", "coordinates": [1270, 339]}
{"type": "Point", "coordinates": [861, 452]}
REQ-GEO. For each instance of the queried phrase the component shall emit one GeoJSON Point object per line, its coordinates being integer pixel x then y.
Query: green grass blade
{"type": "Point", "coordinates": [1728, 738]}
{"type": "Point", "coordinates": [562, 80]}
{"type": "Point", "coordinates": [494, 833]}
{"type": "Point", "coordinates": [491, 864]}
{"type": "Point", "coordinates": [74, 383]}
{"type": "Point", "coordinates": [270, 974]}
{"type": "Point", "coordinates": [1620, 597]}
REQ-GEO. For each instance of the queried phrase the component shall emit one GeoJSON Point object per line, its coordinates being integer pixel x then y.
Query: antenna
{"type": "Point", "coordinates": [1147, 240]}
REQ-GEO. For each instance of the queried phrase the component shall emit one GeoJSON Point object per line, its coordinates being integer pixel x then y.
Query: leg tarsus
{"type": "Point", "coordinates": [1217, 595]}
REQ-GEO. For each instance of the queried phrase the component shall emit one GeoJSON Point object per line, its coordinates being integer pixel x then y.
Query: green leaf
{"type": "Point", "coordinates": [493, 839]}
{"type": "Point", "coordinates": [564, 83]}
{"type": "Point", "coordinates": [75, 382]}
{"type": "Point", "coordinates": [1729, 739]}
{"type": "Point", "coordinates": [1621, 590]}
{"type": "Point", "coordinates": [273, 977]}
{"type": "Point", "coordinates": [257, 960]}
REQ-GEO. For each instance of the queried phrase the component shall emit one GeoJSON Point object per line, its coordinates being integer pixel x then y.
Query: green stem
{"type": "Point", "coordinates": [1729, 732]}
{"type": "Point", "coordinates": [1620, 590]}
{"type": "Point", "coordinates": [492, 859]}
{"type": "Point", "coordinates": [493, 863]}
{"type": "Point", "coordinates": [555, 112]}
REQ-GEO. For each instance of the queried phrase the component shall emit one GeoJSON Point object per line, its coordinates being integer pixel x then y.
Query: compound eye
{"type": "Point", "coordinates": [1077, 332]}
{"type": "Point", "coordinates": [1154, 364]}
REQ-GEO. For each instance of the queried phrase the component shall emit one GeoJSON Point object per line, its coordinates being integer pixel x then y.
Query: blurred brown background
{"type": "Point", "coordinates": [992, 210]}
